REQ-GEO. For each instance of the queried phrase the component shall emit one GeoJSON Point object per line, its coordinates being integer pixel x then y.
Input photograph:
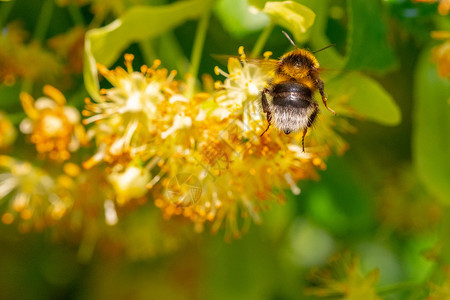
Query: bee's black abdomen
{"type": "Point", "coordinates": [291, 94]}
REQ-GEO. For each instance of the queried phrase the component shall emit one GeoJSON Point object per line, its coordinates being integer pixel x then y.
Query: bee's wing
{"type": "Point", "coordinates": [265, 63]}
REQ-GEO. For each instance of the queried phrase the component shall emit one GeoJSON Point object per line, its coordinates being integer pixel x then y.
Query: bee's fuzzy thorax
{"type": "Point", "coordinates": [297, 65]}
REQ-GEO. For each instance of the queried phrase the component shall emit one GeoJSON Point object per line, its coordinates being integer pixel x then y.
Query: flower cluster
{"type": "Point", "coordinates": [206, 153]}
{"type": "Point", "coordinates": [202, 158]}
{"type": "Point", "coordinates": [342, 278]}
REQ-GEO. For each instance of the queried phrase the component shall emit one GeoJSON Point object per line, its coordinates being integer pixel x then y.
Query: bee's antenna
{"type": "Point", "coordinates": [289, 38]}
{"type": "Point", "coordinates": [331, 45]}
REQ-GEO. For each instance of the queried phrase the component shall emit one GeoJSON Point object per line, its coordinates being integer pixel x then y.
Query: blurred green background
{"type": "Point", "coordinates": [379, 207]}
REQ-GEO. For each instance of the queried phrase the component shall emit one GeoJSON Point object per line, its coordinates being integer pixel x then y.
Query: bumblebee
{"type": "Point", "coordinates": [295, 79]}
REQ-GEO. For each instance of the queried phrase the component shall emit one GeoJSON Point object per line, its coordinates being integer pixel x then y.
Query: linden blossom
{"type": "Point", "coordinates": [55, 128]}
{"type": "Point", "coordinates": [31, 191]}
{"type": "Point", "coordinates": [145, 119]}
{"type": "Point", "coordinates": [128, 116]}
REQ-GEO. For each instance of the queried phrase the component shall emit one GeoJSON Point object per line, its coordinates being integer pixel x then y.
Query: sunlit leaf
{"type": "Point", "coordinates": [238, 18]}
{"type": "Point", "coordinates": [431, 139]}
{"type": "Point", "coordinates": [291, 15]}
{"type": "Point", "coordinates": [104, 45]}
{"type": "Point", "coordinates": [367, 48]}
{"type": "Point", "coordinates": [366, 98]}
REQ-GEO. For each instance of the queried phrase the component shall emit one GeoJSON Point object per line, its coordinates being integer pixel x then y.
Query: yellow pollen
{"type": "Point", "coordinates": [156, 63]}
{"type": "Point", "coordinates": [71, 169]}
{"type": "Point", "coordinates": [241, 50]}
{"type": "Point", "coordinates": [144, 69]}
{"type": "Point", "coordinates": [129, 57]}
{"type": "Point", "coordinates": [7, 218]}
{"type": "Point", "coordinates": [159, 203]}
{"type": "Point", "coordinates": [55, 94]}
{"type": "Point", "coordinates": [28, 105]}
{"type": "Point", "coordinates": [26, 214]}
{"type": "Point", "coordinates": [102, 69]}
{"type": "Point", "coordinates": [267, 54]}
{"type": "Point", "coordinates": [317, 161]}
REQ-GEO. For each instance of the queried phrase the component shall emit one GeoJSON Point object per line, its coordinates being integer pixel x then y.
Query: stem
{"type": "Point", "coordinates": [4, 12]}
{"type": "Point", "coordinates": [76, 14]}
{"type": "Point", "coordinates": [88, 244]}
{"type": "Point", "coordinates": [262, 39]}
{"type": "Point", "coordinates": [197, 51]}
{"type": "Point", "coordinates": [40, 33]}
{"type": "Point", "coordinates": [44, 20]}
{"type": "Point", "coordinates": [172, 54]}
{"type": "Point", "coordinates": [147, 52]}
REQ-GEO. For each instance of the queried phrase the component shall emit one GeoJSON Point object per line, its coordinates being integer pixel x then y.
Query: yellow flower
{"type": "Point", "coordinates": [243, 84]}
{"type": "Point", "coordinates": [134, 114]}
{"type": "Point", "coordinates": [55, 128]}
{"type": "Point", "coordinates": [31, 193]}
{"type": "Point", "coordinates": [343, 279]}
{"type": "Point", "coordinates": [129, 183]}
{"type": "Point", "coordinates": [7, 131]}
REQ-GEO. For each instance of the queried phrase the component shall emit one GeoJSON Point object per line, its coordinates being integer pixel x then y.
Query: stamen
{"type": "Point", "coordinates": [153, 163]}
{"type": "Point", "coordinates": [93, 119]}
{"type": "Point", "coordinates": [218, 71]}
{"type": "Point", "coordinates": [294, 188]}
{"type": "Point", "coordinates": [267, 54]}
{"type": "Point", "coordinates": [28, 105]}
{"type": "Point", "coordinates": [55, 94]}
{"type": "Point", "coordinates": [172, 75]}
{"type": "Point", "coordinates": [110, 213]}
{"type": "Point", "coordinates": [144, 69]}
{"type": "Point", "coordinates": [156, 63]}
{"type": "Point", "coordinates": [154, 181]}
{"type": "Point", "coordinates": [129, 62]}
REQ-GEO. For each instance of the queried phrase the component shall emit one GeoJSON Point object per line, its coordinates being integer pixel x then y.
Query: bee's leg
{"type": "Point", "coordinates": [311, 120]}
{"type": "Point", "coordinates": [303, 138]}
{"type": "Point", "coordinates": [266, 109]}
{"type": "Point", "coordinates": [320, 86]}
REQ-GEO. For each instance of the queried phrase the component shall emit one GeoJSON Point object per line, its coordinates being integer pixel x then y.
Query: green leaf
{"type": "Point", "coordinates": [291, 15]}
{"type": "Point", "coordinates": [104, 45]}
{"type": "Point", "coordinates": [366, 98]}
{"type": "Point", "coordinates": [431, 138]}
{"type": "Point", "coordinates": [238, 19]}
{"type": "Point", "coordinates": [367, 48]}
